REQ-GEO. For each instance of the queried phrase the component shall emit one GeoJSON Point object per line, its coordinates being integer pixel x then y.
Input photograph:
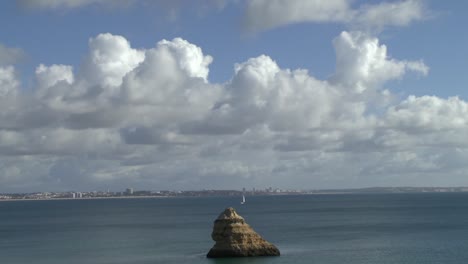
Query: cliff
{"type": "Point", "coordinates": [235, 238]}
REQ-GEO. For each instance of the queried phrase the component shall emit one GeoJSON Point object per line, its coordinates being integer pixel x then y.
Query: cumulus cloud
{"type": "Point", "coordinates": [170, 85]}
{"type": "Point", "coordinates": [262, 15]}
{"type": "Point", "coordinates": [262, 93]}
{"type": "Point", "coordinates": [362, 63]}
{"type": "Point", "coordinates": [189, 57]}
{"type": "Point", "coordinates": [151, 117]}
{"type": "Point", "coordinates": [110, 58]}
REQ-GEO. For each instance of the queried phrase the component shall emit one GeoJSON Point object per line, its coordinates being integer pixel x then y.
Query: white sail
{"type": "Point", "coordinates": [243, 199]}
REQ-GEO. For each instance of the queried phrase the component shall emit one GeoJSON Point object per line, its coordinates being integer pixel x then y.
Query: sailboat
{"type": "Point", "coordinates": [243, 199]}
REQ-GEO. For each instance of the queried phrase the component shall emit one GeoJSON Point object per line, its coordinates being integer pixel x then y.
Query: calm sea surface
{"type": "Point", "coordinates": [323, 229]}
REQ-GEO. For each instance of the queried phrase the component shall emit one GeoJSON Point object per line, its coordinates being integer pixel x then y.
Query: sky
{"type": "Point", "coordinates": [226, 94]}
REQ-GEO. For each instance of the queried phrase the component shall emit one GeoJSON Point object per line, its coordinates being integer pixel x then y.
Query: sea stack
{"type": "Point", "coordinates": [235, 238]}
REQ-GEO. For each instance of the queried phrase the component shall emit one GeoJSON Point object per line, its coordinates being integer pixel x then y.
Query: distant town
{"type": "Point", "coordinates": [131, 193]}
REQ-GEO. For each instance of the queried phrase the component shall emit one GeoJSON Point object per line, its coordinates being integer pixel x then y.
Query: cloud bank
{"type": "Point", "coordinates": [151, 117]}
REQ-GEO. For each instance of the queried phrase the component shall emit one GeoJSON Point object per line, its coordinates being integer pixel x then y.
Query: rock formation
{"type": "Point", "coordinates": [235, 238]}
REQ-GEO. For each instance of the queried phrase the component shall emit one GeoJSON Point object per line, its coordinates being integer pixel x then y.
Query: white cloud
{"type": "Point", "coordinates": [110, 58]}
{"type": "Point", "coordinates": [362, 63]}
{"type": "Point", "coordinates": [189, 57]}
{"type": "Point", "coordinates": [399, 13]}
{"type": "Point", "coordinates": [267, 14]}
{"type": "Point", "coordinates": [261, 92]}
{"type": "Point", "coordinates": [170, 85]}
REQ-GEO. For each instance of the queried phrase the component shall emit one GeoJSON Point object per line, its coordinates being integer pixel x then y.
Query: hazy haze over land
{"type": "Point", "coordinates": [98, 94]}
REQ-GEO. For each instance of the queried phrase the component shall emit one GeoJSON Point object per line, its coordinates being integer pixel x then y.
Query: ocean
{"type": "Point", "coordinates": [324, 229]}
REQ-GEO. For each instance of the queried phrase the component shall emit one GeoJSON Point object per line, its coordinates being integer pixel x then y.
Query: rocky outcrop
{"type": "Point", "coordinates": [235, 238]}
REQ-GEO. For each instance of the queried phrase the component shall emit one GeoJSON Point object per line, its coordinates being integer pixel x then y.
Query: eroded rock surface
{"type": "Point", "coordinates": [235, 238]}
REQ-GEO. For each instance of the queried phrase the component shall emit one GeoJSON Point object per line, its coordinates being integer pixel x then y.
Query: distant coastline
{"type": "Point", "coordinates": [130, 194]}
{"type": "Point", "coordinates": [84, 198]}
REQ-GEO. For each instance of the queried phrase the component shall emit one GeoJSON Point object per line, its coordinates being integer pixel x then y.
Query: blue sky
{"type": "Point", "coordinates": [92, 97]}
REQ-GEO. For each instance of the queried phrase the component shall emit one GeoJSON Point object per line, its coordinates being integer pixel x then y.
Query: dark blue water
{"type": "Point", "coordinates": [324, 229]}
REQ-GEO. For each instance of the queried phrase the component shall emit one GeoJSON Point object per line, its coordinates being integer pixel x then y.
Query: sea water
{"type": "Point", "coordinates": [323, 229]}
